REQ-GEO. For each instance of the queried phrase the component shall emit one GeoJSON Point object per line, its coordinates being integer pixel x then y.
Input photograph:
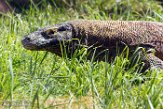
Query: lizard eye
{"type": "Point", "coordinates": [49, 32]}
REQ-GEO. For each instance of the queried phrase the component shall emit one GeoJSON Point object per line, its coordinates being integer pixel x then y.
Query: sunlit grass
{"type": "Point", "coordinates": [36, 77]}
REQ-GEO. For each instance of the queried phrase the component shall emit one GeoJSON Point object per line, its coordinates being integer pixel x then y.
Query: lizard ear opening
{"type": "Point", "coordinates": [62, 28]}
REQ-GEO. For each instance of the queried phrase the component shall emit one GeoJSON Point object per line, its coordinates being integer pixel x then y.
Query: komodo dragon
{"type": "Point", "coordinates": [102, 35]}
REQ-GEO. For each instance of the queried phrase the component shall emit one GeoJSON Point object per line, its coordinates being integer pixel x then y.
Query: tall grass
{"type": "Point", "coordinates": [35, 77]}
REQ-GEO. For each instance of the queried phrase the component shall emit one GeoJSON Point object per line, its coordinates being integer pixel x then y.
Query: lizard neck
{"type": "Point", "coordinates": [91, 32]}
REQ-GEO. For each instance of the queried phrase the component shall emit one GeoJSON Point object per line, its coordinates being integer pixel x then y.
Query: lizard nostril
{"type": "Point", "coordinates": [27, 39]}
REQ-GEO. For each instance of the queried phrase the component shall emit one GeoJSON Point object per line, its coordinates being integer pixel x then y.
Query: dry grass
{"type": "Point", "coordinates": [86, 102]}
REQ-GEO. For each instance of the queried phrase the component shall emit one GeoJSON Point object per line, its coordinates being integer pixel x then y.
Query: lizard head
{"type": "Point", "coordinates": [48, 38]}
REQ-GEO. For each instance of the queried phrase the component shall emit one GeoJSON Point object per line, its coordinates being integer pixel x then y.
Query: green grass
{"type": "Point", "coordinates": [37, 76]}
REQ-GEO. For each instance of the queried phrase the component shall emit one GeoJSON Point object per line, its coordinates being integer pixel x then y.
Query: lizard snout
{"type": "Point", "coordinates": [25, 40]}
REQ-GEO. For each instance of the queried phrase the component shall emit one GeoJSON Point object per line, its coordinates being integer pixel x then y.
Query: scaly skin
{"type": "Point", "coordinates": [102, 34]}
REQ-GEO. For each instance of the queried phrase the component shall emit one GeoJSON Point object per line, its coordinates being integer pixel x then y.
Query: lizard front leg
{"type": "Point", "coordinates": [153, 61]}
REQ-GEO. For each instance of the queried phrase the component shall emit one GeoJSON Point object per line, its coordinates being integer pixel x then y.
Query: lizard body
{"type": "Point", "coordinates": [106, 34]}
